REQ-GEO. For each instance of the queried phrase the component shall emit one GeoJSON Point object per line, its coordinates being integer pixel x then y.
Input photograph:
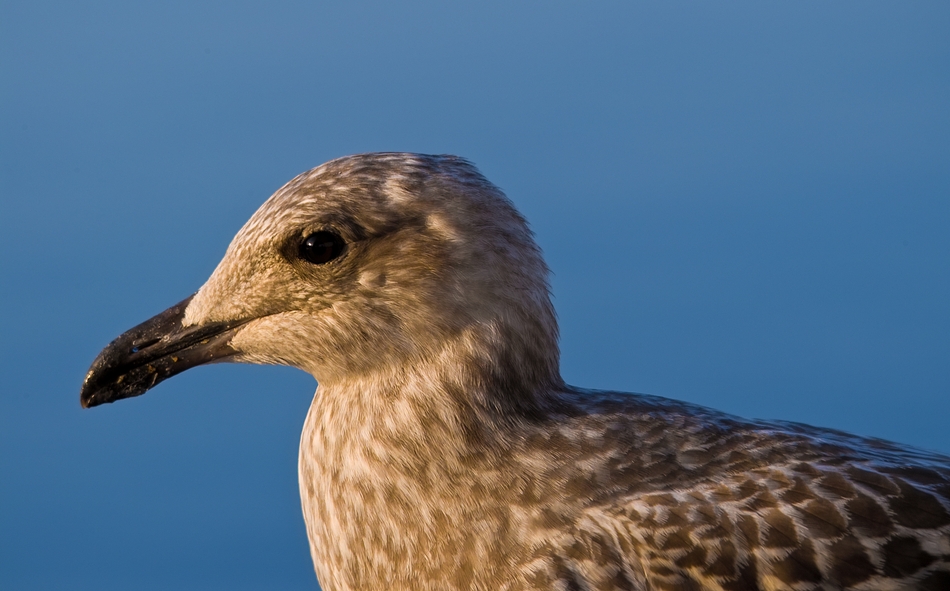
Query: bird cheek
{"type": "Point", "coordinates": [278, 339]}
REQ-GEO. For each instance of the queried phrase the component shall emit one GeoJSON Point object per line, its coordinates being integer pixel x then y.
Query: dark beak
{"type": "Point", "coordinates": [153, 351]}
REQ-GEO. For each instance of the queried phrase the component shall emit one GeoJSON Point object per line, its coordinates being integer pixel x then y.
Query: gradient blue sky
{"type": "Point", "coordinates": [744, 206]}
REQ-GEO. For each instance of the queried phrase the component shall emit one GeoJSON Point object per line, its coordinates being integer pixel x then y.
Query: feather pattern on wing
{"type": "Point", "coordinates": [687, 498]}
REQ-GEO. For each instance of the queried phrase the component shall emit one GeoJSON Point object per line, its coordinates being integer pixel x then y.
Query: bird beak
{"type": "Point", "coordinates": [153, 351]}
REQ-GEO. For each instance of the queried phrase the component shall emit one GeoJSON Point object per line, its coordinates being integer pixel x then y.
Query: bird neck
{"type": "Point", "coordinates": [403, 446]}
{"type": "Point", "coordinates": [467, 389]}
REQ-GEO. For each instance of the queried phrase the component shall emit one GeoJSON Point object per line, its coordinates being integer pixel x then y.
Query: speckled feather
{"type": "Point", "coordinates": [443, 451]}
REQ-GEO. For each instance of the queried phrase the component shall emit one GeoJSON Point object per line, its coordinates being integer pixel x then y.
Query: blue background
{"type": "Point", "coordinates": [744, 205]}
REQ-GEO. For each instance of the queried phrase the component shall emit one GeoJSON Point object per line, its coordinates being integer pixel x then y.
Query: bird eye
{"type": "Point", "coordinates": [321, 247]}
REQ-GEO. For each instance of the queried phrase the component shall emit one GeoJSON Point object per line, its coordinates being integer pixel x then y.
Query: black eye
{"type": "Point", "coordinates": [321, 247]}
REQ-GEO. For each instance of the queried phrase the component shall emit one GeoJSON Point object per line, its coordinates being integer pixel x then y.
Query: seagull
{"type": "Point", "coordinates": [443, 451]}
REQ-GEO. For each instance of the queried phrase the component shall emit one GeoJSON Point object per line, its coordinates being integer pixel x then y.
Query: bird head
{"type": "Point", "coordinates": [364, 266]}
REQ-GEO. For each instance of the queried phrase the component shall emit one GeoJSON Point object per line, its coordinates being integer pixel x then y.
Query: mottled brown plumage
{"type": "Point", "coordinates": [443, 451]}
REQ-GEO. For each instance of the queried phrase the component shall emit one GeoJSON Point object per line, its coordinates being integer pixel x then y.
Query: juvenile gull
{"type": "Point", "coordinates": [443, 451]}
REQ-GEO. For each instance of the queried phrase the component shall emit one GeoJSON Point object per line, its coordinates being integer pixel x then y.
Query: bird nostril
{"type": "Point", "coordinates": [136, 347]}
